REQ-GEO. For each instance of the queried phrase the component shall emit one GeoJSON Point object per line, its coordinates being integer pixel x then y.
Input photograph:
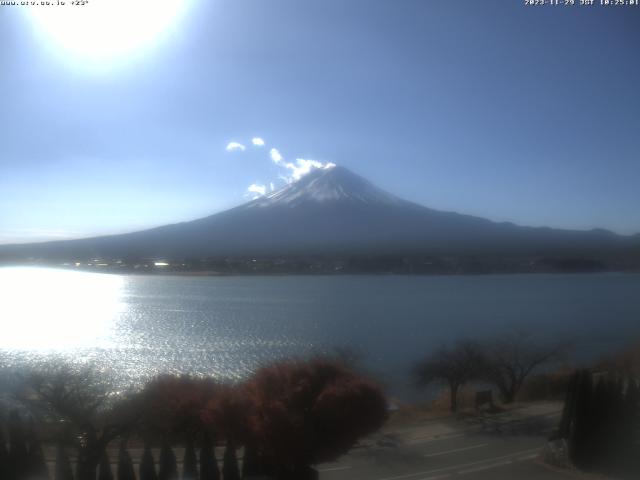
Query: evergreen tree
{"type": "Point", "coordinates": [596, 441]}
{"type": "Point", "coordinates": [250, 462]}
{"type": "Point", "coordinates": [4, 457]}
{"type": "Point", "coordinates": [602, 423]}
{"type": "Point", "coordinates": [63, 469]}
{"type": "Point", "coordinates": [37, 465]}
{"type": "Point", "coordinates": [168, 463]}
{"type": "Point", "coordinates": [230, 469]}
{"type": "Point", "coordinates": [148, 465]}
{"type": "Point", "coordinates": [125, 465]}
{"type": "Point", "coordinates": [631, 429]}
{"type": "Point", "coordinates": [580, 435]}
{"type": "Point", "coordinates": [85, 468]}
{"type": "Point", "coordinates": [190, 462]}
{"type": "Point", "coordinates": [104, 468]}
{"type": "Point", "coordinates": [613, 442]}
{"type": "Point", "coordinates": [208, 463]}
{"type": "Point", "coordinates": [569, 409]}
{"type": "Point", "coordinates": [18, 458]}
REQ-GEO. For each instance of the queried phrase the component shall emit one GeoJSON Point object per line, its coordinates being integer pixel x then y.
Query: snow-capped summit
{"type": "Point", "coordinates": [328, 185]}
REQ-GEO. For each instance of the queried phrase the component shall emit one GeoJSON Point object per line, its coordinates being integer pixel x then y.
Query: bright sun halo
{"type": "Point", "coordinates": [107, 29]}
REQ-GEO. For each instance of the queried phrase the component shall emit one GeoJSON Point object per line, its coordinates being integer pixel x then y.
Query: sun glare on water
{"type": "Point", "coordinates": [57, 310]}
{"type": "Point", "coordinates": [103, 30]}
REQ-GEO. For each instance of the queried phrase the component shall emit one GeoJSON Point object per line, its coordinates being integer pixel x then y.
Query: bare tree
{"type": "Point", "coordinates": [453, 366]}
{"type": "Point", "coordinates": [511, 358]}
{"type": "Point", "coordinates": [84, 407]}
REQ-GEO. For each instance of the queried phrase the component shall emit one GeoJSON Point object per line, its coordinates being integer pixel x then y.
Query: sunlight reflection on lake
{"type": "Point", "coordinates": [58, 310]}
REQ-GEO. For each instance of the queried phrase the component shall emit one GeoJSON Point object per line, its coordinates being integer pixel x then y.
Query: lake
{"type": "Point", "coordinates": [136, 326]}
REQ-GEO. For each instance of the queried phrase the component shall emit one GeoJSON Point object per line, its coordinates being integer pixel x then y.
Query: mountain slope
{"type": "Point", "coordinates": [328, 211]}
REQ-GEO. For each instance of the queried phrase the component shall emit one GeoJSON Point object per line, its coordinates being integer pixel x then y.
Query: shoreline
{"type": "Point", "coordinates": [159, 271]}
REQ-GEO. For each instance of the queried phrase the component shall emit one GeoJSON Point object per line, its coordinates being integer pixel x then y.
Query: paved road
{"type": "Point", "coordinates": [504, 446]}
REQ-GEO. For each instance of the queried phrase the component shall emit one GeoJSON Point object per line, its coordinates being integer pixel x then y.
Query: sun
{"type": "Point", "coordinates": [103, 30]}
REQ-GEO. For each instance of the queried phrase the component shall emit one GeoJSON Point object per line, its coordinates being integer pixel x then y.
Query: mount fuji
{"type": "Point", "coordinates": [330, 211]}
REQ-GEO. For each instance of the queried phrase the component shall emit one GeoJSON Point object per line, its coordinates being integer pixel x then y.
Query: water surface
{"type": "Point", "coordinates": [136, 326]}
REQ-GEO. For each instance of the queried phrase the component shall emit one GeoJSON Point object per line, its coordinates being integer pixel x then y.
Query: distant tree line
{"type": "Point", "coordinates": [375, 263]}
{"type": "Point", "coordinates": [286, 418]}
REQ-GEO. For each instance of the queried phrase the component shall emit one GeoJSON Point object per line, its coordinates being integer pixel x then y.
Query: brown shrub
{"type": "Point", "coordinates": [626, 362]}
{"type": "Point", "coordinates": [173, 404]}
{"type": "Point", "coordinates": [466, 399]}
{"type": "Point", "coordinates": [304, 413]}
{"type": "Point", "coordinates": [546, 386]}
{"type": "Point", "coordinates": [227, 414]}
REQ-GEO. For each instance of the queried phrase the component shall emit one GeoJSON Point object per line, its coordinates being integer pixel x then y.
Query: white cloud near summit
{"type": "Point", "coordinates": [292, 171]}
{"type": "Point", "coordinates": [235, 146]}
{"type": "Point", "coordinates": [297, 170]}
{"type": "Point", "coordinates": [276, 156]}
{"type": "Point", "coordinates": [257, 190]}
{"type": "Point", "coordinates": [304, 166]}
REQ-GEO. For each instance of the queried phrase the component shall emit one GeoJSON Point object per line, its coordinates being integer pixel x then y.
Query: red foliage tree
{"type": "Point", "coordinates": [227, 414]}
{"type": "Point", "coordinates": [173, 405]}
{"type": "Point", "coordinates": [304, 413]}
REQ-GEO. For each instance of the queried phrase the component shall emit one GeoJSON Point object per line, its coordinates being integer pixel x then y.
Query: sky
{"type": "Point", "coordinates": [129, 118]}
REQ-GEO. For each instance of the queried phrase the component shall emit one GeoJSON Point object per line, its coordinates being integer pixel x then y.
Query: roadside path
{"type": "Point", "coordinates": [502, 446]}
